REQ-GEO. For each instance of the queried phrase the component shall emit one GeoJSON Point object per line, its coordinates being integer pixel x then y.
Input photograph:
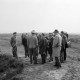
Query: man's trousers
{"type": "Point", "coordinates": [14, 51]}
{"type": "Point", "coordinates": [33, 55]}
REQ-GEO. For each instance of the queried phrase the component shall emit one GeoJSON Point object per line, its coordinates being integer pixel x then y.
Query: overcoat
{"type": "Point", "coordinates": [57, 45]}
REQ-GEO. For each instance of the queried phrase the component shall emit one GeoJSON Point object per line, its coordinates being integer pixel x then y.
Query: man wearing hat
{"type": "Point", "coordinates": [13, 44]}
{"type": "Point", "coordinates": [57, 48]}
{"type": "Point", "coordinates": [63, 47]}
{"type": "Point", "coordinates": [32, 45]}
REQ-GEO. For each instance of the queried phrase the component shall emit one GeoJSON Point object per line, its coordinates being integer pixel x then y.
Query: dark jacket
{"type": "Point", "coordinates": [24, 41]}
{"type": "Point", "coordinates": [42, 44]}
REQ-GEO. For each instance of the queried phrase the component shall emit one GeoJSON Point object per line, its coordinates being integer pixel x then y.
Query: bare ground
{"type": "Point", "coordinates": [70, 69]}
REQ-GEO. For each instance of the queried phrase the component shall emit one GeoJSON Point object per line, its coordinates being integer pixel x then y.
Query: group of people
{"type": "Point", "coordinates": [52, 44]}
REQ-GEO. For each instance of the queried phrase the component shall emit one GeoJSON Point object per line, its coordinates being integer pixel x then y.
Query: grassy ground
{"type": "Point", "coordinates": [70, 69]}
{"type": "Point", "coordinates": [9, 67]}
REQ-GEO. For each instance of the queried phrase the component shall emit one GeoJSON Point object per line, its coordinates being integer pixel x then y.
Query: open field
{"type": "Point", "coordinates": [5, 46]}
{"type": "Point", "coordinates": [70, 69]}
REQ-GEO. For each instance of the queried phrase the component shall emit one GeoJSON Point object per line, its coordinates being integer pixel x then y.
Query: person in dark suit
{"type": "Point", "coordinates": [24, 43]}
{"type": "Point", "coordinates": [50, 43]}
{"type": "Point", "coordinates": [42, 48]}
{"type": "Point", "coordinates": [63, 47]}
{"type": "Point", "coordinates": [66, 45]}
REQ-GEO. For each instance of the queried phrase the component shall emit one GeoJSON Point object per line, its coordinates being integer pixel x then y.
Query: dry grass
{"type": "Point", "coordinates": [9, 67]}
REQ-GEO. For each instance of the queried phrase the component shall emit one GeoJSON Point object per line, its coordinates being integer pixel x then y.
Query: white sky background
{"type": "Point", "coordinates": [40, 15]}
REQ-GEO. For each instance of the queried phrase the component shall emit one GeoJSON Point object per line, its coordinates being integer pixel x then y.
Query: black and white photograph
{"type": "Point", "coordinates": [39, 39]}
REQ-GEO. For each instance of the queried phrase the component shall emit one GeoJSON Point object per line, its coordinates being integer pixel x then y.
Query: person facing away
{"type": "Point", "coordinates": [32, 45]}
{"type": "Point", "coordinates": [57, 48]}
{"type": "Point", "coordinates": [14, 45]}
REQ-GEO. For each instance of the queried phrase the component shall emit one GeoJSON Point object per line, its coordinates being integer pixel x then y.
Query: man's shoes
{"type": "Point", "coordinates": [43, 62]}
{"type": "Point", "coordinates": [55, 65]}
{"type": "Point", "coordinates": [58, 66]}
{"type": "Point", "coordinates": [62, 61]}
{"type": "Point", "coordinates": [35, 63]}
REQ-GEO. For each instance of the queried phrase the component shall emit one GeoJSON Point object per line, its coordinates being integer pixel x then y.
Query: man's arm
{"type": "Point", "coordinates": [28, 42]}
{"type": "Point", "coordinates": [36, 42]}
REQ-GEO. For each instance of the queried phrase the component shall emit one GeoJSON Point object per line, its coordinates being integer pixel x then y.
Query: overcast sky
{"type": "Point", "coordinates": [39, 15]}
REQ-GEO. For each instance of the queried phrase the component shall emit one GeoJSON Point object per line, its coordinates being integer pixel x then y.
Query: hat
{"type": "Point", "coordinates": [43, 34]}
{"type": "Point", "coordinates": [56, 31]}
{"type": "Point", "coordinates": [62, 32]}
{"type": "Point", "coordinates": [14, 32]}
{"type": "Point", "coordinates": [33, 32]}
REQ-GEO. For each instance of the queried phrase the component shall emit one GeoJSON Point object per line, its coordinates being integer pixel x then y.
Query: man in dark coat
{"type": "Point", "coordinates": [66, 46]}
{"type": "Point", "coordinates": [42, 48]}
{"type": "Point", "coordinates": [50, 43]}
{"type": "Point", "coordinates": [24, 42]}
{"type": "Point", "coordinates": [63, 47]}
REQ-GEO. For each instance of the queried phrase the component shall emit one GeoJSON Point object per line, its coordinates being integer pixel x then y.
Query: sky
{"type": "Point", "coordinates": [39, 15]}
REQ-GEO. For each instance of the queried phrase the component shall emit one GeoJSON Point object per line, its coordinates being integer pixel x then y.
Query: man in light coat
{"type": "Point", "coordinates": [57, 48]}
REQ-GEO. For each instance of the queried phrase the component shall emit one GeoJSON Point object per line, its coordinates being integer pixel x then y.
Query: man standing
{"type": "Point", "coordinates": [24, 43]}
{"type": "Point", "coordinates": [66, 46]}
{"type": "Point", "coordinates": [50, 46]}
{"type": "Point", "coordinates": [33, 44]}
{"type": "Point", "coordinates": [13, 44]}
{"type": "Point", "coordinates": [63, 47]}
{"type": "Point", "coordinates": [57, 48]}
{"type": "Point", "coordinates": [42, 48]}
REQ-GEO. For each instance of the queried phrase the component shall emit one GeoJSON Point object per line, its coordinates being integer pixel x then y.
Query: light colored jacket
{"type": "Point", "coordinates": [32, 41]}
{"type": "Point", "coordinates": [57, 42]}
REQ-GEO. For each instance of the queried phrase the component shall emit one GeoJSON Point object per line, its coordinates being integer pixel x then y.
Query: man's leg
{"type": "Point", "coordinates": [25, 52]}
{"type": "Point", "coordinates": [30, 55]}
{"type": "Point", "coordinates": [65, 54]}
{"type": "Point", "coordinates": [35, 55]}
{"type": "Point", "coordinates": [57, 62]}
{"type": "Point", "coordinates": [43, 57]}
{"type": "Point", "coordinates": [62, 56]}
{"type": "Point", "coordinates": [14, 51]}
{"type": "Point", "coordinates": [50, 53]}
